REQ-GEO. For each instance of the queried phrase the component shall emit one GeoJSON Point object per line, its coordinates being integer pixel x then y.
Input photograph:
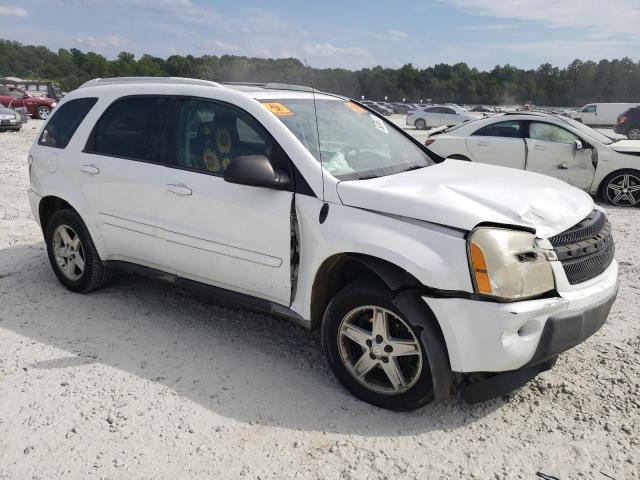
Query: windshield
{"type": "Point", "coordinates": [600, 137]}
{"type": "Point", "coordinates": [355, 144]}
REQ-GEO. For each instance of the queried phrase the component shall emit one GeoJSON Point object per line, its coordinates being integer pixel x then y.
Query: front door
{"type": "Point", "coordinates": [233, 236]}
{"type": "Point", "coordinates": [551, 151]}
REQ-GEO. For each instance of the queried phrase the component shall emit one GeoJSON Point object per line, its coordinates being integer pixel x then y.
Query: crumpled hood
{"type": "Point", "coordinates": [463, 194]}
{"type": "Point", "coordinates": [626, 146]}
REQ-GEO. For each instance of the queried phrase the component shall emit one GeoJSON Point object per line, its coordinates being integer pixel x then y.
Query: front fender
{"type": "Point", "coordinates": [436, 256]}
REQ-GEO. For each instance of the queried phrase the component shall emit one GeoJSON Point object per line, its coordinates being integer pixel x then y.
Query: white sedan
{"type": "Point", "coordinates": [438, 115]}
{"type": "Point", "coordinates": [551, 145]}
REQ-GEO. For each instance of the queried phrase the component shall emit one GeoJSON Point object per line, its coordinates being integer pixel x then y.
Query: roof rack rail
{"type": "Point", "coordinates": [273, 86]}
{"type": "Point", "coordinates": [128, 80]}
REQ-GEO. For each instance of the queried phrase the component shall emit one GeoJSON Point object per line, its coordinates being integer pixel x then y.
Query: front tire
{"type": "Point", "coordinates": [72, 253]}
{"type": "Point", "coordinates": [43, 112]}
{"type": "Point", "coordinates": [634, 133]}
{"type": "Point", "coordinates": [374, 351]}
{"type": "Point", "coordinates": [621, 188]}
{"type": "Point", "coordinates": [420, 124]}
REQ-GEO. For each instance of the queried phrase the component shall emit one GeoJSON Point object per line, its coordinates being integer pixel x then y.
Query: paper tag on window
{"type": "Point", "coordinates": [355, 107]}
{"type": "Point", "coordinates": [278, 109]}
{"type": "Point", "coordinates": [379, 124]}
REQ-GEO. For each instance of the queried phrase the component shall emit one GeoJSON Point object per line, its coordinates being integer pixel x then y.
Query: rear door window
{"type": "Point", "coordinates": [64, 122]}
{"type": "Point", "coordinates": [133, 128]}
{"type": "Point", "coordinates": [510, 129]}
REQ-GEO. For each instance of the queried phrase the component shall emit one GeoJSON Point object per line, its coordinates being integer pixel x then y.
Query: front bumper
{"type": "Point", "coordinates": [498, 337]}
{"type": "Point", "coordinates": [620, 129]}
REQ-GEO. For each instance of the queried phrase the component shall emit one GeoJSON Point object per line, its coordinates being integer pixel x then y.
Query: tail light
{"type": "Point", "coordinates": [622, 118]}
{"type": "Point", "coordinates": [429, 141]}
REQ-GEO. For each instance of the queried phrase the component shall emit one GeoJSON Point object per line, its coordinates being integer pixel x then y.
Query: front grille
{"type": "Point", "coordinates": [586, 249]}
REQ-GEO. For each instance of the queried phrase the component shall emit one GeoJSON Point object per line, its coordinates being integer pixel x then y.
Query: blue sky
{"type": "Point", "coordinates": [330, 33]}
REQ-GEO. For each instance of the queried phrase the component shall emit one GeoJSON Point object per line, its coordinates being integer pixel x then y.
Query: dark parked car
{"type": "Point", "coordinates": [402, 108]}
{"type": "Point", "coordinates": [629, 124]}
{"type": "Point", "coordinates": [377, 107]}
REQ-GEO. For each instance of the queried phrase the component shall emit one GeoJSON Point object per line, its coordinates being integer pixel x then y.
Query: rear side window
{"type": "Point", "coordinates": [509, 129]}
{"type": "Point", "coordinates": [65, 121]}
{"type": "Point", "coordinates": [132, 128]}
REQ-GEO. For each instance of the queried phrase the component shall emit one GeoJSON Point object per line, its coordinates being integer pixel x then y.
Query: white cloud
{"type": "Point", "coordinates": [329, 50]}
{"type": "Point", "coordinates": [392, 35]}
{"type": "Point", "coordinates": [13, 11]}
{"type": "Point", "coordinates": [102, 42]}
{"type": "Point", "coordinates": [585, 15]}
{"type": "Point", "coordinates": [495, 26]}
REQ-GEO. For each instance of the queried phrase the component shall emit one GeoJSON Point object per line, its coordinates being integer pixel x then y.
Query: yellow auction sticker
{"type": "Point", "coordinates": [355, 107]}
{"type": "Point", "coordinates": [278, 109]}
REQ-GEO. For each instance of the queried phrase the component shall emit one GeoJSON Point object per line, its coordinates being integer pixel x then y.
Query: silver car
{"type": "Point", "coordinates": [9, 119]}
{"type": "Point", "coordinates": [437, 116]}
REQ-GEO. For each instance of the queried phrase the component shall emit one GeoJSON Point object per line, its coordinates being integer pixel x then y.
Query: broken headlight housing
{"type": "Point", "coordinates": [507, 264]}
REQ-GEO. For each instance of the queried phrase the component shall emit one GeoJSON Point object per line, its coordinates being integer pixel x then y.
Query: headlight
{"type": "Point", "coordinates": [507, 264]}
{"type": "Point", "coordinates": [7, 117]}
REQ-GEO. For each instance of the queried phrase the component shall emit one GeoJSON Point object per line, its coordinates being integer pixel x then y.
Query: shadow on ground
{"type": "Point", "coordinates": [236, 363]}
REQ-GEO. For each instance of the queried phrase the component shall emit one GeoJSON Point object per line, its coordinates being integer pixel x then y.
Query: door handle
{"type": "Point", "coordinates": [482, 144]}
{"type": "Point", "coordinates": [90, 169]}
{"type": "Point", "coordinates": [540, 147]}
{"type": "Point", "coordinates": [179, 190]}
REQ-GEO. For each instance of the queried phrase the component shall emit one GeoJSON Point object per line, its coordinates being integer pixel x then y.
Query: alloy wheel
{"type": "Point", "coordinates": [634, 134]}
{"type": "Point", "coordinates": [380, 350]}
{"type": "Point", "coordinates": [68, 252]}
{"type": "Point", "coordinates": [624, 190]}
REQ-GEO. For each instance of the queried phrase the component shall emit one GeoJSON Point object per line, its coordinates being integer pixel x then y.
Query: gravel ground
{"type": "Point", "coordinates": [143, 380]}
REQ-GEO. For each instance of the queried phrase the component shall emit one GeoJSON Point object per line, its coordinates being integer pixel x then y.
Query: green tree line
{"type": "Point", "coordinates": [579, 83]}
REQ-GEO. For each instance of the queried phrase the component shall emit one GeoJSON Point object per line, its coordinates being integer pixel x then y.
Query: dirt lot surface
{"type": "Point", "coordinates": [143, 380]}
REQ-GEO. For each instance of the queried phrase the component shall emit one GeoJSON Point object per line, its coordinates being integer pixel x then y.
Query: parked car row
{"type": "Point", "coordinates": [308, 206]}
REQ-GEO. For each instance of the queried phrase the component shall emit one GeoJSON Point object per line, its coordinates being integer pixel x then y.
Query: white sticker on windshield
{"type": "Point", "coordinates": [379, 124]}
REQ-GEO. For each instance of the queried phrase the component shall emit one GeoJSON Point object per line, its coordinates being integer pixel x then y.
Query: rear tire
{"type": "Point", "coordinates": [420, 124]}
{"type": "Point", "coordinates": [43, 112]}
{"type": "Point", "coordinates": [621, 188]}
{"type": "Point", "coordinates": [397, 374]}
{"type": "Point", "coordinates": [72, 253]}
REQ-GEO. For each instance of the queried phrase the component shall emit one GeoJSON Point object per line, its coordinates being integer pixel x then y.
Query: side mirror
{"type": "Point", "coordinates": [577, 145]}
{"type": "Point", "coordinates": [256, 171]}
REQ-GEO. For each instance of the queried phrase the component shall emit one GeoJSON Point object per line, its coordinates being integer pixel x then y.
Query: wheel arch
{"type": "Point", "coordinates": [50, 204]}
{"type": "Point", "coordinates": [341, 269]}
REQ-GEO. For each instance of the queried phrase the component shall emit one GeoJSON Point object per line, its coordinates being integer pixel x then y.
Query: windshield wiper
{"type": "Point", "coordinates": [414, 167]}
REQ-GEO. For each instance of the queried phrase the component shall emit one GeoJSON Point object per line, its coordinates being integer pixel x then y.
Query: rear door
{"type": "Point", "coordinates": [122, 176]}
{"type": "Point", "coordinates": [433, 116]}
{"type": "Point", "coordinates": [551, 151]}
{"type": "Point", "coordinates": [499, 144]}
{"type": "Point", "coordinates": [233, 236]}
{"type": "Point", "coordinates": [449, 116]}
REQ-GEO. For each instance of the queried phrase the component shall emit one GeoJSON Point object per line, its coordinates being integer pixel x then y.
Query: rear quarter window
{"type": "Point", "coordinates": [64, 122]}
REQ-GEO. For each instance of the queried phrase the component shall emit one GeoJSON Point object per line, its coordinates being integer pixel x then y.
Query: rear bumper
{"type": "Point", "coordinates": [500, 337]}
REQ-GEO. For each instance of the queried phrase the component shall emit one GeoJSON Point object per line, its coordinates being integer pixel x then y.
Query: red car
{"type": "Point", "coordinates": [37, 107]}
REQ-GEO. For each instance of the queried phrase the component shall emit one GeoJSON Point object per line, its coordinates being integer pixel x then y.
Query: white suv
{"type": "Point", "coordinates": [312, 207]}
